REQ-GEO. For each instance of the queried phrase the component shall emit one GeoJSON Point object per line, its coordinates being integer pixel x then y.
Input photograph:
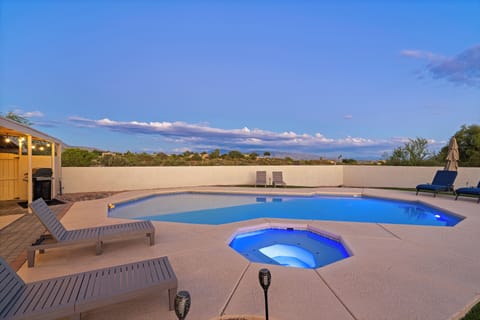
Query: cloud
{"type": "Point", "coordinates": [48, 124]}
{"type": "Point", "coordinates": [28, 114]}
{"type": "Point", "coordinates": [462, 69]}
{"type": "Point", "coordinates": [33, 114]}
{"type": "Point", "coordinates": [201, 137]}
{"type": "Point", "coordinates": [37, 114]}
{"type": "Point", "coordinates": [348, 117]}
{"type": "Point", "coordinates": [419, 54]}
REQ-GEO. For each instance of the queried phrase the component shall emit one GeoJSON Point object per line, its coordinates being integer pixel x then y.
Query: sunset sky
{"type": "Point", "coordinates": [356, 78]}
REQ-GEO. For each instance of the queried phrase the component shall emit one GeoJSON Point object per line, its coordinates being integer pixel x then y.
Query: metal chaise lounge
{"type": "Point", "coordinates": [468, 191]}
{"type": "Point", "coordinates": [70, 295]}
{"type": "Point", "coordinates": [261, 178]}
{"type": "Point", "coordinates": [59, 236]}
{"type": "Point", "coordinates": [443, 181]}
{"type": "Point", "coordinates": [277, 178]}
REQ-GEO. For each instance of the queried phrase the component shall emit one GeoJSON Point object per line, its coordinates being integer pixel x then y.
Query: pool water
{"type": "Point", "coordinates": [215, 209]}
{"type": "Point", "coordinates": [288, 247]}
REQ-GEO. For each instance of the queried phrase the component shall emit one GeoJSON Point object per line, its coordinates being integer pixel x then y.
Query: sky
{"type": "Point", "coordinates": [325, 78]}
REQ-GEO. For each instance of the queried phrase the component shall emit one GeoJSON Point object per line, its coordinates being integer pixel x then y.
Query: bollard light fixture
{"type": "Point", "coordinates": [265, 278]}
{"type": "Point", "coordinates": [182, 304]}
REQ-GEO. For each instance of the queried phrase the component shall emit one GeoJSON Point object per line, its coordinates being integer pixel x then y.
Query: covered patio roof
{"type": "Point", "coordinates": [10, 128]}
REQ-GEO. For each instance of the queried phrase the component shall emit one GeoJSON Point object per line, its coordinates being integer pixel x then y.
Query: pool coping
{"type": "Point", "coordinates": [397, 272]}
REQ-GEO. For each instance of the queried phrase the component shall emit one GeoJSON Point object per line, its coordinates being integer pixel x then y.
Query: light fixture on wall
{"type": "Point", "coordinates": [7, 139]}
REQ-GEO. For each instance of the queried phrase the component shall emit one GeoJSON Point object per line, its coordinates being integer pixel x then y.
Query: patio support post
{"type": "Point", "coordinates": [59, 171]}
{"type": "Point", "coordinates": [54, 170]}
{"type": "Point", "coordinates": [29, 172]}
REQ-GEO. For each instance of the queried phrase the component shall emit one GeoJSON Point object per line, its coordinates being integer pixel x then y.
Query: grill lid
{"type": "Point", "coordinates": [41, 172]}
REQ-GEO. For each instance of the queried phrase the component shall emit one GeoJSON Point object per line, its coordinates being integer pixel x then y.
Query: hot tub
{"type": "Point", "coordinates": [290, 247]}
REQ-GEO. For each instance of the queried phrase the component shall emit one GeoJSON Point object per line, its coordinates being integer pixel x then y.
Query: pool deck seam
{"type": "Point", "coordinates": [388, 231]}
{"type": "Point", "coordinates": [335, 294]}
{"type": "Point", "coordinates": [235, 289]}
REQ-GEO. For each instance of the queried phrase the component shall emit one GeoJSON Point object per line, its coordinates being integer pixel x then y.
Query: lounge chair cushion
{"type": "Point", "coordinates": [433, 187]}
{"type": "Point", "coordinates": [443, 181]}
{"type": "Point", "coordinates": [472, 191]}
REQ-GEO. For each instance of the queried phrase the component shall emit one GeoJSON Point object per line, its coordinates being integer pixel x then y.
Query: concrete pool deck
{"type": "Point", "coordinates": [397, 271]}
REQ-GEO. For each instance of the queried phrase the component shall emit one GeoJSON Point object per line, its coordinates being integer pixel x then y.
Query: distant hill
{"type": "Point", "coordinates": [66, 146]}
{"type": "Point", "coordinates": [294, 155]}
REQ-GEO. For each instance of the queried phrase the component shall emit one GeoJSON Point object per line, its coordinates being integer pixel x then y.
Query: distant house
{"type": "Point", "coordinates": [22, 150]}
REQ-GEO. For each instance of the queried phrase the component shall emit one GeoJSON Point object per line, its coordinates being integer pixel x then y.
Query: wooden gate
{"type": "Point", "coordinates": [9, 177]}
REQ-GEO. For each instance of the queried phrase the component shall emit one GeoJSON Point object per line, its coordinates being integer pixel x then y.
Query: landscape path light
{"type": "Point", "coordinates": [265, 279]}
{"type": "Point", "coordinates": [182, 304]}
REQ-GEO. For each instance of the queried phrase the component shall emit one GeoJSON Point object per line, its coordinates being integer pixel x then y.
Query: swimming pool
{"type": "Point", "coordinates": [215, 209]}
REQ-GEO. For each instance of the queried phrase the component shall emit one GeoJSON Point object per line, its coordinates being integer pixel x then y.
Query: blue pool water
{"type": "Point", "coordinates": [201, 208]}
{"type": "Point", "coordinates": [290, 248]}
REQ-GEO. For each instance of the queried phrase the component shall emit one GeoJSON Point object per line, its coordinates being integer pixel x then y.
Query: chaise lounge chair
{"type": "Point", "coordinates": [470, 191]}
{"type": "Point", "coordinates": [60, 237]}
{"type": "Point", "coordinates": [261, 178]}
{"type": "Point", "coordinates": [443, 181]}
{"type": "Point", "coordinates": [70, 295]}
{"type": "Point", "coordinates": [277, 177]}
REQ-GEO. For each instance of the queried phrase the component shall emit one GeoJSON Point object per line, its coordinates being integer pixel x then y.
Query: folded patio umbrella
{"type": "Point", "coordinates": [452, 156]}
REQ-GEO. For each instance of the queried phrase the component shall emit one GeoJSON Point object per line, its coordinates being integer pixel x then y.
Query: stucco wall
{"type": "Point", "coordinates": [401, 177]}
{"type": "Point", "coordinates": [132, 178]}
{"type": "Point", "coordinates": [87, 179]}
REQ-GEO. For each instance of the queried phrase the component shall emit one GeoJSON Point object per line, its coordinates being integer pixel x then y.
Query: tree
{"type": "Point", "coordinates": [214, 154]}
{"type": "Point", "coordinates": [18, 118]}
{"type": "Point", "coordinates": [75, 157]}
{"type": "Point", "coordinates": [196, 157]}
{"type": "Point", "coordinates": [266, 154]}
{"type": "Point", "coordinates": [234, 154]}
{"type": "Point", "coordinates": [468, 140]}
{"type": "Point", "coordinates": [349, 161]}
{"type": "Point", "coordinates": [413, 153]}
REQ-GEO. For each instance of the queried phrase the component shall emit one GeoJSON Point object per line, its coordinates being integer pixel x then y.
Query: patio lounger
{"type": "Point", "coordinates": [443, 181]}
{"type": "Point", "coordinates": [277, 177]}
{"type": "Point", "coordinates": [261, 178]}
{"type": "Point", "coordinates": [468, 191]}
{"type": "Point", "coordinates": [60, 237]}
{"type": "Point", "coordinates": [70, 295]}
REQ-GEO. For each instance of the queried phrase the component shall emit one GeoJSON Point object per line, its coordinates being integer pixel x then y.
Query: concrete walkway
{"type": "Point", "coordinates": [397, 271]}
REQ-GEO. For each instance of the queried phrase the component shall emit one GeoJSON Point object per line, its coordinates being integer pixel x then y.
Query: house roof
{"type": "Point", "coordinates": [12, 128]}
